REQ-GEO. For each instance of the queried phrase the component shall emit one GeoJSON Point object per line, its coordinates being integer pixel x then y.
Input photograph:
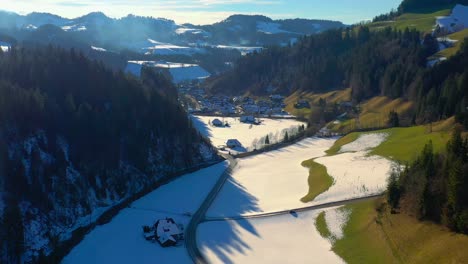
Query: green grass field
{"type": "Point", "coordinates": [402, 144]}
{"type": "Point", "coordinates": [321, 225]}
{"type": "Point", "coordinates": [313, 98]}
{"type": "Point", "coordinates": [319, 180]}
{"type": "Point", "coordinates": [374, 113]}
{"type": "Point", "coordinates": [423, 21]}
{"type": "Point", "coordinates": [460, 36]}
{"type": "Point", "coordinates": [377, 236]}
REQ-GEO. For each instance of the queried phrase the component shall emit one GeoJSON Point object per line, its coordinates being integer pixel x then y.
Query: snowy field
{"type": "Point", "coordinates": [272, 28]}
{"type": "Point", "coordinates": [270, 182]}
{"type": "Point", "coordinates": [243, 50]}
{"type": "Point", "coordinates": [457, 21]}
{"type": "Point", "coordinates": [245, 133]}
{"type": "Point", "coordinates": [262, 185]}
{"type": "Point", "coordinates": [179, 71]}
{"type": "Point", "coordinates": [356, 174]}
{"type": "Point", "coordinates": [98, 49]}
{"type": "Point", "coordinates": [279, 239]}
{"type": "Point", "coordinates": [336, 219]}
{"type": "Point", "coordinates": [276, 181]}
{"type": "Point", "coordinates": [121, 240]}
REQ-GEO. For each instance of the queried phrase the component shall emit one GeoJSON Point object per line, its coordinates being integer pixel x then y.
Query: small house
{"type": "Point", "coordinates": [168, 232]}
{"type": "Point", "coordinates": [302, 104]}
{"type": "Point", "coordinates": [247, 119]}
{"type": "Point", "coordinates": [217, 123]}
{"type": "Point", "coordinates": [233, 143]}
{"type": "Point", "coordinates": [165, 231]}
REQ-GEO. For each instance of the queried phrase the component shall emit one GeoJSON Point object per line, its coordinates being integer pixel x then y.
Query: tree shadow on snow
{"type": "Point", "coordinates": [224, 238]}
{"type": "Point", "coordinates": [203, 128]}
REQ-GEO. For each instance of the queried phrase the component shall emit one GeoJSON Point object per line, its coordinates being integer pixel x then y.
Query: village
{"type": "Point", "coordinates": [197, 101]}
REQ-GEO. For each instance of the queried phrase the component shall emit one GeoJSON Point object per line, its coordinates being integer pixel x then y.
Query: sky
{"type": "Point", "coordinates": [210, 11]}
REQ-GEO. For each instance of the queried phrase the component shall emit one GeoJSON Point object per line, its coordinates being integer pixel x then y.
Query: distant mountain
{"type": "Point", "coordinates": [140, 33]}
{"type": "Point", "coordinates": [261, 30]}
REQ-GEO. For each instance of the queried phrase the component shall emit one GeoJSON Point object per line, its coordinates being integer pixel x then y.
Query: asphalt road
{"type": "Point", "coordinates": [199, 215]}
{"type": "Point", "coordinates": [289, 211]}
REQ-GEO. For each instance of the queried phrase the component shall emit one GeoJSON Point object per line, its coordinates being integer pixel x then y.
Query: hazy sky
{"type": "Point", "coordinates": [209, 11]}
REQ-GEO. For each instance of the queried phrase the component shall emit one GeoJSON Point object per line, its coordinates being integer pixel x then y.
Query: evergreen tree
{"type": "Point", "coordinates": [393, 119]}
{"type": "Point", "coordinates": [14, 234]}
{"type": "Point", "coordinates": [393, 190]}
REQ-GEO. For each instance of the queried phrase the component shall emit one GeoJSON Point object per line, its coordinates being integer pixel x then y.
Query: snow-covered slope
{"type": "Point", "coordinates": [160, 48]}
{"type": "Point", "coordinates": [356, 174]}
{"type": "Point", "coordinates": [192, 31]}
{"type": "Point", "coordinates": [243, 50]}
{"type": "Point", "coordinates": [457, 21]}
{"type": "Point", "coordinates": [122, 241]}
{"type": "Point", "coordinates": [180, 72]}
{"type": "Point", "coordinates": [271, 28]}
{"type": "Point", "coordinates": [98, 49]}
{"type": "Point", "coordinates": [74, 28]}
{"type": "Point", "coordinates": [187, 73]}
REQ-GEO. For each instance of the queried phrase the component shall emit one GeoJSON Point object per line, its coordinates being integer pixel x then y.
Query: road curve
{"type": "Point", "coordinates": [308, 208]}
{"type": "Point", "coordinates": [199, 215]}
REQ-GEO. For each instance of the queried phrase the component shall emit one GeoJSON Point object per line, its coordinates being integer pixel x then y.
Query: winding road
{"type": "Point", "coordinates": [199, 215]}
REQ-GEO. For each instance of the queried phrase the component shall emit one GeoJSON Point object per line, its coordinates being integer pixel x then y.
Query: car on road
{"type": "Point", "coordinates": [293, 213]}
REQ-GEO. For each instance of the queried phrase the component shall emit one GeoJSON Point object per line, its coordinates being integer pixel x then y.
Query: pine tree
{"type": "Point", "coordinates": [14, 234]}
{"type": "Point", "coordinates": [393, 189]}
{"type": "Point", "coordinates": [393, 119]}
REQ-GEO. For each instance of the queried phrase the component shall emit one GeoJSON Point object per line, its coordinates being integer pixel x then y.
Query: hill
{"type": "Point", "coordinates": [387, 62]}
{"type": "Point", "coordinates": [77, 139]}
{"type": "Point", "coordinates": [134, 32]}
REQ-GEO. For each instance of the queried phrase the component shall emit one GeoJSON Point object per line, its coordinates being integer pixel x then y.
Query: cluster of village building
{"type": "Point", "coordinates": [234, 105]}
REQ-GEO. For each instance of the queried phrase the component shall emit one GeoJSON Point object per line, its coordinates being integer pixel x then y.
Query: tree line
{"type": "Point", "coordinates": [434, 186]}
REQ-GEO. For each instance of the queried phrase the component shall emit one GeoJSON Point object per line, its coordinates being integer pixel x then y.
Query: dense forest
{"type": "Point", "coordinates": [367, 61]}
{"type": "Point", "coordinates": [76, 136]}
{"type": "Point", "coordinates": [434, 186]}
{"type": "Point", "coordinates": [417, 5]}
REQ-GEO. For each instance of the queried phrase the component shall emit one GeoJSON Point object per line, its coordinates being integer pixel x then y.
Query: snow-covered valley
{"type": "Point", "coordinates": [275, 182]}
{"type": "Point", "coordinates": [270, 182]}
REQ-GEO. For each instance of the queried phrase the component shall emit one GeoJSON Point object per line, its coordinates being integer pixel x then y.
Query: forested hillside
{"type": "Point", "coordinates": [417, 5]}
{"type": "Point", "coordinates": [434, 186]}
{"type": "Point", "coordinates": [76, 139]}
{"type": "Point", "coordinates": [385, 62]}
